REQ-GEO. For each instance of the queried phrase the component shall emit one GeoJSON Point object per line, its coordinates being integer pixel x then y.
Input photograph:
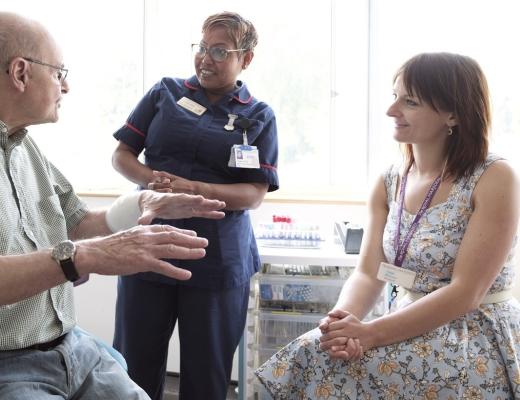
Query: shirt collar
{"type": "Point", "coordinates": [7, 140]}
{"type": "Point", "coordinates": [240, 93]}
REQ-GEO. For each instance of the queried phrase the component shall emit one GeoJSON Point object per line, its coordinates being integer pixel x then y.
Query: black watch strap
{"type": "Point", "coordinates": [69, 269]}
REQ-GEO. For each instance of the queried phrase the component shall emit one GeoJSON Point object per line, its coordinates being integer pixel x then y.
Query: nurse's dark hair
{"type": "Point", "coordinates": [240, 30]}
{"type": "Point", "coordinates": [452, 83]}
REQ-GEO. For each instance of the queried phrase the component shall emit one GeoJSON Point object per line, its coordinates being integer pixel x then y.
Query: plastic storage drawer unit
{"type": "Point", "coordinates": [298, 293]}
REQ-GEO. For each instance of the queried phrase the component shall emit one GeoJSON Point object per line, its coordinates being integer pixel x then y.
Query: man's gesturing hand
{"type": "Point", "coordinates": [140, 249]}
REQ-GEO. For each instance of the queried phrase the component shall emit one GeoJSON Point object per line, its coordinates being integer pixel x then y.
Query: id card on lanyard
{"type": "Point", "coordinates": [395, 274]}
{"type": "Point", "coordinates": [243, 155]}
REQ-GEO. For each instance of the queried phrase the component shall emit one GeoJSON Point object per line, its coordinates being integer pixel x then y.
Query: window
{"type": "Point", "coordinates": [104, 54]}
{"type": "Point", "coordinates": [482, 29]}
{"type": "Point", "coordinates": [325, 67]}
{"type": "Point", "coordinates": [306, 67]}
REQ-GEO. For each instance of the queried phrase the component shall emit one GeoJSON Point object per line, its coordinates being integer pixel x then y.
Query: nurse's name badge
{"type": "Point", "coordinates": [192, 106]}
{"type": "Point", "coordinates": [396, 275]}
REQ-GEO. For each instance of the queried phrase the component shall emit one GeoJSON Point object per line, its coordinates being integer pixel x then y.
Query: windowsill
{"type": "Point", "coordinates": [333, 199]}
{"type": "Point", "coordinates": [314, 199]}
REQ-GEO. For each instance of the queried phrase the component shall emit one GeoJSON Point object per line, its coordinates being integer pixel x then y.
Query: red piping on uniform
{"type": "Point", "coordinates": [267, 166]}
{"type": "Point", "coordinates": [133, 128]}
{"type": "Point", "coordinates": [243, 101]}
{"type": "Point", "coordinates": [189, 86]}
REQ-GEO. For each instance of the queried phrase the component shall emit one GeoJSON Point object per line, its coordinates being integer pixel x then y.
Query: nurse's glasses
{"type": "Point", "coordinates": [217, 54]}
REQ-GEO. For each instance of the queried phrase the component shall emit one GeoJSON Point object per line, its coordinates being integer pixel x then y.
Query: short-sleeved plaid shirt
{"type": "Point", "coordinates": [39, 207]}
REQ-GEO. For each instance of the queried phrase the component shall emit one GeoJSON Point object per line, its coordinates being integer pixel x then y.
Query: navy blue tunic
{"type": "Point", "coordinates": [197, 148]}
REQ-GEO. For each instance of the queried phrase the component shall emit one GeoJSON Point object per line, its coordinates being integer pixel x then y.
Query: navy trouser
{"type": "Point", "coordinates": [211, 323]}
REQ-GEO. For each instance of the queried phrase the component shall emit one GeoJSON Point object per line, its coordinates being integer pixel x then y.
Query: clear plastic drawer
{"type": "Point", "coordinates": [298, 294]}
{"type": "Point", "coordinates": [274, 330]}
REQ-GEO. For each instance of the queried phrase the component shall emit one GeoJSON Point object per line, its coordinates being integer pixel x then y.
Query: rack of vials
{"type": "Point", "coordinates": [283, 231]}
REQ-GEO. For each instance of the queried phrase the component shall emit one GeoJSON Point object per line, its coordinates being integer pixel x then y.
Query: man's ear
{"type": "Point", "coordinates": [19, 73]}
{"type": "Point", "coordinates": [248, 57]}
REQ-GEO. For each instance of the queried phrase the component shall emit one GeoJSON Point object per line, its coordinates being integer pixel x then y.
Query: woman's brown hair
{"type": "Point", "coordinates": [452, 83]}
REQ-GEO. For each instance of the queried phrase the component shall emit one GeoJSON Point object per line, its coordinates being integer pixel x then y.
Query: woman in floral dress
{"type": "Point", "coordinates": [442, 229]}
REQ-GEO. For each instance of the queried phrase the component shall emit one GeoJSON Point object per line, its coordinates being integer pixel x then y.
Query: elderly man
{"type": "Point", "coordinates": [44, 231]}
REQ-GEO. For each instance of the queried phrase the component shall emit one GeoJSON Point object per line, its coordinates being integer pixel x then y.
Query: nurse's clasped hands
{"type": "Point", "coordinates": [165, 182]}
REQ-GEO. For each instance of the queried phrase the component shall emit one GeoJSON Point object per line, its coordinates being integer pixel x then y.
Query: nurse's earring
{"type": "Point", "coordinates": [450, 131]}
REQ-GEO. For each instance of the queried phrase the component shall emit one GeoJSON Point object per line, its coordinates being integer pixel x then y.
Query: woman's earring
{"type": "Point", "coordinates": [450, 131]}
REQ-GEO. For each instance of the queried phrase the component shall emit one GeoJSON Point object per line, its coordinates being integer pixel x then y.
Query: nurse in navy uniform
{"type": "Point", "coordinates": [203, 135]}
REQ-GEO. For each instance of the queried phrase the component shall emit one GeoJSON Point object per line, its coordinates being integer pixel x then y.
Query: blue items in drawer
{"type": "Point", "coordinates": [286, 292]}
{"type": "Point", "coordinates": [266, 291]}
{"type": "Point", "coordinates": [297, 292]}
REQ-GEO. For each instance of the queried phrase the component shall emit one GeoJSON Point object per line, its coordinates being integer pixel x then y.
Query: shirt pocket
{"type": "Point", "coordinates": [49, 218]}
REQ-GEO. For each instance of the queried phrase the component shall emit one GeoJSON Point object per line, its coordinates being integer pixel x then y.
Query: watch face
{"type": "Point", "coordinates": [64, 250]}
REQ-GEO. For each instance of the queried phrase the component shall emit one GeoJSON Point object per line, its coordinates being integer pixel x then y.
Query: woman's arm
{"type": "Point", "coordinates": [360, 292]}
{"type": "Point", "coordinates": [124, 160]}
{"type": "Point", "coordinates": [237, 196]}
{"type": "Point", "coordinates": [482, 254]}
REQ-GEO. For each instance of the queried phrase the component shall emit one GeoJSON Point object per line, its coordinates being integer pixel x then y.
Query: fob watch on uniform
{"type": "Point", "coordinates": [64, 253]}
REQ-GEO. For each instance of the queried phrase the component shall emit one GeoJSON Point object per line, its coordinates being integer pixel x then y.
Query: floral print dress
{"type": "Point", "coordinates": [473, 357]}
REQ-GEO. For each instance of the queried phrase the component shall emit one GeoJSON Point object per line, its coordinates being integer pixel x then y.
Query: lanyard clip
{"type": "Point", "coordinates": [393, 296]}
{"type": "Point", "coordinates": [229, 126]}
{"type": "Point", "coordinates": [244, 123]}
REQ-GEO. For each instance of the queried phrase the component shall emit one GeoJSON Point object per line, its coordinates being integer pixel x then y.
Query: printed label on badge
{"type": "Point", "coordinates": [244, 157]}
{"type": "Point", "coordinates": [247, 157]}
{"type": "Point", "coordinates": [192, 106]}
{"type": "Point", "coordinates": [396, 275]}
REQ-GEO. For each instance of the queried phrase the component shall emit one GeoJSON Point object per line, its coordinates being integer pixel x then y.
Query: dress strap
{"type": "Point", "coordinates": [391, 179]}
{"type": "Point", "coordinates": [467, 185]}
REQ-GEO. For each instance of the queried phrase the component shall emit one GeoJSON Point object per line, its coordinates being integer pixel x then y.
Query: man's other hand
{"type": "Point", "coordinates": [177, 206]}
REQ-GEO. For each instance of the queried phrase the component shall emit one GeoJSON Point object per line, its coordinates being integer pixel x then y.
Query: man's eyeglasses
{"type": "Point", "coordinates": [61, 72]}
{"type": "Point", "coordinates": [218, 54]}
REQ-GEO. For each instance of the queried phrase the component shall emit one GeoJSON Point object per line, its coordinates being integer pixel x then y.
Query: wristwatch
{"type": "Point", "coordinates": [64, 253]}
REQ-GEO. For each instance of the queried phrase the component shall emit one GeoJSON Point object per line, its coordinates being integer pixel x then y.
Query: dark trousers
{"type": "Point", "coordinates": [211, 323]}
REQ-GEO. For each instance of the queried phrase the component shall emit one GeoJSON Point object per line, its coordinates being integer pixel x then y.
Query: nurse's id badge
{"type": "Point", "coordinates": [244, 156]}
{"type": "Point", "coordinates": [396, 275]}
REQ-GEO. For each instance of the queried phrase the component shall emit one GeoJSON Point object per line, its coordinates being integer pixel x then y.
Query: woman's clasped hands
{"type": "Point", "coordinates": [342, 335]}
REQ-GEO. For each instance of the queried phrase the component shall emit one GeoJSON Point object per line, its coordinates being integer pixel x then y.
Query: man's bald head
{"type": "Point", "coordinates": [31, 65]}
{"type": "Point", "coordinates": [20, 36]}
